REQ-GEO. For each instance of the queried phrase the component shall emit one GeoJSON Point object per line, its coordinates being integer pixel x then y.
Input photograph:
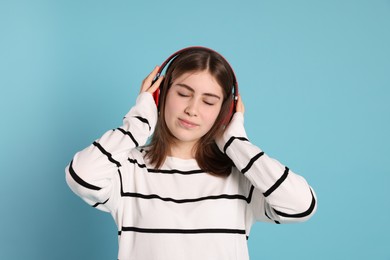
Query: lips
{"type": "Point", "coordinates": [187, 124]}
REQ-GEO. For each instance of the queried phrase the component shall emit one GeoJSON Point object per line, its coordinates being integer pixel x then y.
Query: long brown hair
{"type": "Point", "coordinates": [207, 154]}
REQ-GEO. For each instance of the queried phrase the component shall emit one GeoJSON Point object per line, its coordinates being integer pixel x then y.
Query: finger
{"type": "Point", "coordinates": [155, 85]}
{"type": "Point", "coordinates": [147, 82]}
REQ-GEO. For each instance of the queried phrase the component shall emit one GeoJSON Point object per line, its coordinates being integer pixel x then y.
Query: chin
{"type": "Point", "coordinates": [186, 139]}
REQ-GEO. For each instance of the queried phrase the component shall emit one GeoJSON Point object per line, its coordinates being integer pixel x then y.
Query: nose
{"type": "Point", "coordinates": [192, 108]}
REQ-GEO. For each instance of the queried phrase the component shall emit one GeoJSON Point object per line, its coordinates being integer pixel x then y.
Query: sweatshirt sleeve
{"type": "Point", "coordinates": [287, 196]}
{"type": "Point", "coordinates": [93, 172]}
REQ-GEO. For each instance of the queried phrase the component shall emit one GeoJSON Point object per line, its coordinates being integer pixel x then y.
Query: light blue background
{"type": "Point", "coordinates": [314, 76]}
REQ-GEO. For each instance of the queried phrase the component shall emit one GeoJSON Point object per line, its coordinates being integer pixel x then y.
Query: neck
{"type": "Point", "coordinates": [182, 150]}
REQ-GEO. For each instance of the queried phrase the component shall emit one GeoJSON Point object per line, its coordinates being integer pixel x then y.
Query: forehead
{"type": "Point", "coordinates": [199, 81]}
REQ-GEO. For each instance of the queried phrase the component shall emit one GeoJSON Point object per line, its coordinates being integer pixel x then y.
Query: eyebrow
{"type": "Point", "coordinates": [192, 90]}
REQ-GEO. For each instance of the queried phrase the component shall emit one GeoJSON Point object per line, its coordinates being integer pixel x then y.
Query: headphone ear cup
{"type": "Point", "coordinates": [156, 96]}
{"type": "Point", "coordinates": [229, 116]}
{"type": "Point", "coordinates": [232, 109]}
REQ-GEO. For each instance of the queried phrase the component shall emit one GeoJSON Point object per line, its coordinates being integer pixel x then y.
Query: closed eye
{"type": "Point", "coordinates": [208, 103]}
{"type": "Point", "coordinates": [183, 94]}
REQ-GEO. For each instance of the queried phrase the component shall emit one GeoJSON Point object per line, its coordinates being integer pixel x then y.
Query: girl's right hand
{"type": "Point", "coordinates": [147, 85]}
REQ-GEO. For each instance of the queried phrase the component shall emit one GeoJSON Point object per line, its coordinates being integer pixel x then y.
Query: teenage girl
{"type": "Point", "coordinates": [180, 176]}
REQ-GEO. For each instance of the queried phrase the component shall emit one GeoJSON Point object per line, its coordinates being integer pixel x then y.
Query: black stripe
{"type": "Point", "coordinates": [299, 215]}
{"type": "Point", "coordinates": [249, 199]}
{"type": "Point", "coordinates": [180, 201]}
{"type": "Point", "coordinates": [109, 156]}
{"type": "Point", "coordinates": [79, 180]}
{"type": "Point", "coordinates": [174, 171]}
{"type": "Point", "coordinates": [155, 196]}
{"type": "Point", "coordinates": [99, 203]}
{"type": "Point", "coordinates": [143, 120]}
{"type": "Point", "coordinates": [277, 183]}
{"type": "Point", "coordinates": [134, 161]}
{"type": "Point", "coordinates": [230, 141]}
{"type": "Point", "coordinates": [129, 135]}
{"type": "Point", "coordinates": [257, 156]}
{"type": "Point", "coordinates": [120, 180]}
{"type": "Point", "coordinates": [182, 231]}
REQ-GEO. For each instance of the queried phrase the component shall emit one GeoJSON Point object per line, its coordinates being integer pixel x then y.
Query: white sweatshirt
{"type": "Point", "coordinates": [178, 211]}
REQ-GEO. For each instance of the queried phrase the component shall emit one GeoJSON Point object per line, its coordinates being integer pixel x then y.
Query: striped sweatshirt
{"type": "Point", "coordinates": [178, 211]}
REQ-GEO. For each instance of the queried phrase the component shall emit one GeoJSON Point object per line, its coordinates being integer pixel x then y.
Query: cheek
{"type": "Point", "coordinates": [211, 114]}
{"type": "Point", "coordinates": [170, 105]}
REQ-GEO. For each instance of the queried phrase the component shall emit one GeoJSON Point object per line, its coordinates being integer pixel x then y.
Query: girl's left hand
{"type": "Point", "coordinates": [240, 105]}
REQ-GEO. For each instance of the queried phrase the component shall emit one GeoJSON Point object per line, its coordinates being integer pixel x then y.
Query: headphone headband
{"type": "Point", "coordinates": [177, 53]}
{"type": "Point", "coordinates": [156, 94]}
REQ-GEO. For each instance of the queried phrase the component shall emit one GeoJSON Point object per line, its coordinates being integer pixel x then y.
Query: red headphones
{"type": "Point", "coordinates": [232, 109]}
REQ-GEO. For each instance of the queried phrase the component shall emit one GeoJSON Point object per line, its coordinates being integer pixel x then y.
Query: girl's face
{"type": "Point", "coordinates": [192, 105]}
